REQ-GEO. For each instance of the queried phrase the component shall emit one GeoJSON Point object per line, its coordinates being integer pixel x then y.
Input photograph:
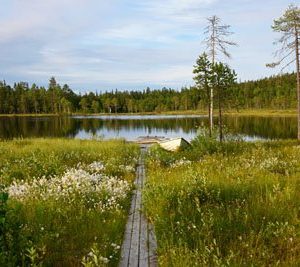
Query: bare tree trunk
{"type": "Point", "coordinates": [211, 106]}
{"type": "Point", "coordinates": [298, 78]}
{"type": "Point", "coordinates": [209, 115]}
{"type": "Point", "coordinates": [220, 116]}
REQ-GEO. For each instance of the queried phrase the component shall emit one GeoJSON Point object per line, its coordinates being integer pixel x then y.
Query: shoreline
{"type": "Point", "coordinates": [242, 112]}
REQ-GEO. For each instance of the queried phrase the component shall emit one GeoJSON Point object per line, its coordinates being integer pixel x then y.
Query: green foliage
{"type": "Point", "coordinates": [160, 156]}
{"type": "Point", "coordinates": [202, 71]}
{"type": "Point", "coordinates": [276, 92]}
{"type": "Point", "coordinates": [234, 209]}
{"type": "Point", "coordinates": [203, 144]}
{"type": "Point", "coordinates": [218, 76]}
{"type": "Point", "coordinates": [289, 22]}
{"type": "Point", "coordinates": [222, 79]}
{"type": "Point", "coordinates": [3, 211]}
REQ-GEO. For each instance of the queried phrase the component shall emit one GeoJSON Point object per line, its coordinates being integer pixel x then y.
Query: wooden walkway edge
{"type": "Point", "coordinates": [139, 244]}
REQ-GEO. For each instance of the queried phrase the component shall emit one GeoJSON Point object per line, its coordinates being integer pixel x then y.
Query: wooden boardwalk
{"type": "Point", "coordinates": [139, 244]}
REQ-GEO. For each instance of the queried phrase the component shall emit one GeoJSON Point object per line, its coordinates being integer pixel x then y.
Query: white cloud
{"type": "Point", "coordinates": [47, 18]}
{"type": "Point", "coordinates": [167, 76]}
{"type": "Point", "coordinates": [176, 7]}
{"type": "Point", "coordinates": [120, 43]}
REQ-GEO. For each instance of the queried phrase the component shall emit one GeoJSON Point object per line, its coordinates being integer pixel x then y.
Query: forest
{"type": "Point", "coordinates": [275, 92]}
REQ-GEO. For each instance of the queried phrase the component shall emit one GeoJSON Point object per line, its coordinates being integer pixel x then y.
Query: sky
{"type": "Point", "coordinates": [99, 45]}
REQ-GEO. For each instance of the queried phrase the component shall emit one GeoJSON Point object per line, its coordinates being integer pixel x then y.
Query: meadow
{"type": "Point", "coordinates": [64, 202]}
{"type": "Point", "coordinates": [230, 204]}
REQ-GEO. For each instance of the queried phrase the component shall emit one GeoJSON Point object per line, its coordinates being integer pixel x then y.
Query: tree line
{"type": "Point", "coordinates": [275, 92]}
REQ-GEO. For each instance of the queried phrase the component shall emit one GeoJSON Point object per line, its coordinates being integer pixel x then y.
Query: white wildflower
{"type": "Point", "coordinates": [75, 186]}
{"type": "Point", "coordinates": [96, 166]}
{"type": "Point", "coordinates": [181, 162]}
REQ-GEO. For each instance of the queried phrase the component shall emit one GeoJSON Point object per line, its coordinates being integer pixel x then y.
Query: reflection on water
{"type": "Point", "coordinates": [131, 127]}
{"type": "Point", "coordinates": [263, 127]}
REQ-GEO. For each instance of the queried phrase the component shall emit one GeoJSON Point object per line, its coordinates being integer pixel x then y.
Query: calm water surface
{"type": "Point", "coordinates": [131, 127]}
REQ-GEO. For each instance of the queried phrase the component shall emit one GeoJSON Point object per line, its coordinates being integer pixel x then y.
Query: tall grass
{"type": "Point", "coordinates": [64, 202]}
{"type": "Point", "coordinates": [29, 158]}
{"type": "Point", "coordinates": [226, 204]}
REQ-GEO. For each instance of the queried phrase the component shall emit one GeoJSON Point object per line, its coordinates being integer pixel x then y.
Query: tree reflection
{"type": "Point", "coordinates": [262, 127]}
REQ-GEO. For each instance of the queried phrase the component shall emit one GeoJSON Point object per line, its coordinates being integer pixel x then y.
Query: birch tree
{"type": "Point", "coordinates": [216, 40]}
{"type": "Point", "coordinates": [289, 27]}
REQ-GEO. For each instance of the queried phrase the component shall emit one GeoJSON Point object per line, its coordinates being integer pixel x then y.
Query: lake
{"type": "Point", "coordinates": [131, 127]}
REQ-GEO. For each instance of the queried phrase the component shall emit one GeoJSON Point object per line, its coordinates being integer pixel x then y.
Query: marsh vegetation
{"type": "Point", "coordinates": [230, 204]}
{"type": "Point", "coordinates": [64, 202]}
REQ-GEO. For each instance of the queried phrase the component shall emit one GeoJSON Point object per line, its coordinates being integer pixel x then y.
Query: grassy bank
{"type": "Point", "coordinates": [31, 115]}
{"type": "Point", "coordinates": [235, 204]}
{"type": "Point", "coordinates": [183, 112]}
{"type": "Point", "coordinates": [64, 202]}
{"type": "Point", "coordinates": [241, 112]}
{"type": "Point", "coordinates": [262, 112]}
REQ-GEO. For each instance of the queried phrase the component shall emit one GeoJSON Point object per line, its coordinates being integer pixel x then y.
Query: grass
{"type": "Point", "coordinates": [64, 202]}
{"type": "Point", "coordinates": [262, 112]}
{"type": "Point", "coordinates": [241, 112]}
{"type": "Point", "coordinates": [231, 204]}
{"type": "Point", "coordinates": [32, 115]}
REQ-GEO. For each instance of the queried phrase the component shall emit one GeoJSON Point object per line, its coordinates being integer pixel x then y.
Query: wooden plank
{"type": "Point", "coordinates": [125, 250]}
{"type": "Point", "coordinates": [127, 242]}
{"type": "Point", "coordinates": [139, 180]}
{"type": "Point", "coordinates": [152, 247]}
{"type": "Point", "coordinates": [139, 245]}
{"type": "Point", "coordinates": [144, 252]}
{"type": "Point", "coordinates": [134, 250]}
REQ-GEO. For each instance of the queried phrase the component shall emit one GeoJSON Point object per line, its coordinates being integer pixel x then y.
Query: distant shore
{"type": "Point", "coordinates": [242, 112]}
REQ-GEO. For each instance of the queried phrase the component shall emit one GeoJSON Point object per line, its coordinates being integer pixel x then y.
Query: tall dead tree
{"type": "Point", "coordinates": [289, 27]}
{"type": "Point", "coordinates": [216, 35]}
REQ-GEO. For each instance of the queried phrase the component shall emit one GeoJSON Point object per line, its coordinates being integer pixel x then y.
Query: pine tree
{"type": "Point", "coordinates": [222, 79]}
{"type": "Point", "coordinates": [289, 26]}
{"type": "Point", "coordinates": [202, 71]}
